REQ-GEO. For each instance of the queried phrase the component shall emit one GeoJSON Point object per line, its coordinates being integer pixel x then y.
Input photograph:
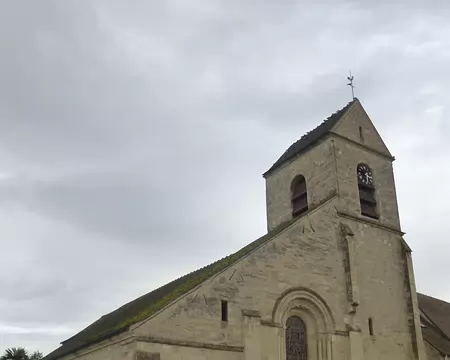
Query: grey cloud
{"type": "Point", "coordinates": [133, 136]}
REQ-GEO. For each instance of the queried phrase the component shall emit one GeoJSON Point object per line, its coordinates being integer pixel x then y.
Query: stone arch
{"type": "Point", "coordinates": [301, 299]}
{"type": "Point", "coordinates": [314, 311]}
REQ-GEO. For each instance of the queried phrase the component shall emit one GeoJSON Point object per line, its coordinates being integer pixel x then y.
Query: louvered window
{"type": "Point", "coordinates": [299, 196]}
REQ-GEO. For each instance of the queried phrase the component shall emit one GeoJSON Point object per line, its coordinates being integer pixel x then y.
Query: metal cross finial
{"type": "Point", "coordinates": [350, 78]}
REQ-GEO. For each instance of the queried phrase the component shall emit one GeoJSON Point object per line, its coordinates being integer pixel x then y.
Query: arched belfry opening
{"type": "Point", "coordinates": [299, 196]}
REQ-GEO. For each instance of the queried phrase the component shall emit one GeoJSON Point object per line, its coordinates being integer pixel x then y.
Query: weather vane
{"type": "Point", "coordinates": [350, 78]}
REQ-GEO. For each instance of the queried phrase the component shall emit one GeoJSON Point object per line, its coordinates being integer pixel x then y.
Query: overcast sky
{"type": "Point", "coordinates": [134, 134]}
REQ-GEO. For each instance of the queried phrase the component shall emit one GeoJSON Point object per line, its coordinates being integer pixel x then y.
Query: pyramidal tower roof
{"type": "Point", "coordinates": [311, 137]}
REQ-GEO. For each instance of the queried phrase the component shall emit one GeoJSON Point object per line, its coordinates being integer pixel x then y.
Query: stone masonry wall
{"type": "Point", "coordinates": [317, 166]}
{"type": "Point", "coordinates": [306, 254]}
{"type": "Point", "coordinates": [349, 126]}
{"type": "Point", "coordinates": [348, 156]}
{"type": "Point", "coordinates": [380, 259]}
{"type": "Point", "coordinates": [116, 348]}
{"type": "Point", "coordinates": [172, 352]}
{"type": "Point", "coordinates": [382, 293]}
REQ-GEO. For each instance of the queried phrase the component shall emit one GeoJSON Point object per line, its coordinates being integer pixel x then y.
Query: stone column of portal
{"type": "Point", "coordinates": [324, 345]}
{"type": "Point", "coordinates": [252, 334]}
{"type": "Point", "coordinates": [329, 348]}
{"type": "Point", "coordinates": [281, 343]}
{"type": "Point", "coordinates": [319, 348]}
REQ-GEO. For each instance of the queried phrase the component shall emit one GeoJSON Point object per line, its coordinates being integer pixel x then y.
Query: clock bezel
{"type": "Point", "coordinates": [365, 169]}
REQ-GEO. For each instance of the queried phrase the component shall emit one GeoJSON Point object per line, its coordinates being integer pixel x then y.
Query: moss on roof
{"type": "Point", "coordinates": [149, 304]}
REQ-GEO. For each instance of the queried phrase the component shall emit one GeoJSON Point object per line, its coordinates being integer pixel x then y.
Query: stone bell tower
{"type": "Point", "coordinates": [345, 162]}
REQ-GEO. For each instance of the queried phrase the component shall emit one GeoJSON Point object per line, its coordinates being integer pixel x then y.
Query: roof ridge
{"type": "Point", "coordinates": [311, 137]}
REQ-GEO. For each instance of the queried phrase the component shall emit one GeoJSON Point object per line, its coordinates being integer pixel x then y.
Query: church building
{"type": "Point", "coordinates": [332, 279]}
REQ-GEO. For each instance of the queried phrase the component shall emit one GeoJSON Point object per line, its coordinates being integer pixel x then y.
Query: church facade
{"type": "Point", "coordinates": [331, 280]}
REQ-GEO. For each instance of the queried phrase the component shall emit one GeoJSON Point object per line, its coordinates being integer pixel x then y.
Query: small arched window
{"type": "Point", "coordinates": [299, 196]}
{"type": "Point", "coordinates": [296, 339]}
{"type": "Point", "coordinates": [366, 191]}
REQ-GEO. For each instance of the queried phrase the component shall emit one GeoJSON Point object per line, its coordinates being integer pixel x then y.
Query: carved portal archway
{"type": "Point", "coordinates": [305, 318]}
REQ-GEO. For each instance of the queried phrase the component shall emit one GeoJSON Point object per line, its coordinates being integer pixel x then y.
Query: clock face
{"type": "Point", "coordinates": [364, 175]}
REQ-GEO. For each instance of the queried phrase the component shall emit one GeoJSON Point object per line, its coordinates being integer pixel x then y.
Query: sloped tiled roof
{"type": "Point", "coordinates": [148, 304]}
{"type": "Point", "coordinates": [437, 325]}
{"type": "Point", "coordinates": [435, 338]}
{"type": "Point", "coordinates": [311, 137]}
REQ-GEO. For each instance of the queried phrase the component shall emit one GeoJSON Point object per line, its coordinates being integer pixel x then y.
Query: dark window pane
{"type": "Point", "coordinates": [296, 339]}
{"type": "Point", "coordinates": [224, 310]}
{"type": "Point", "coordinates": [370, 326]}
{"type": "Point", "coordinates": [299, 196]}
